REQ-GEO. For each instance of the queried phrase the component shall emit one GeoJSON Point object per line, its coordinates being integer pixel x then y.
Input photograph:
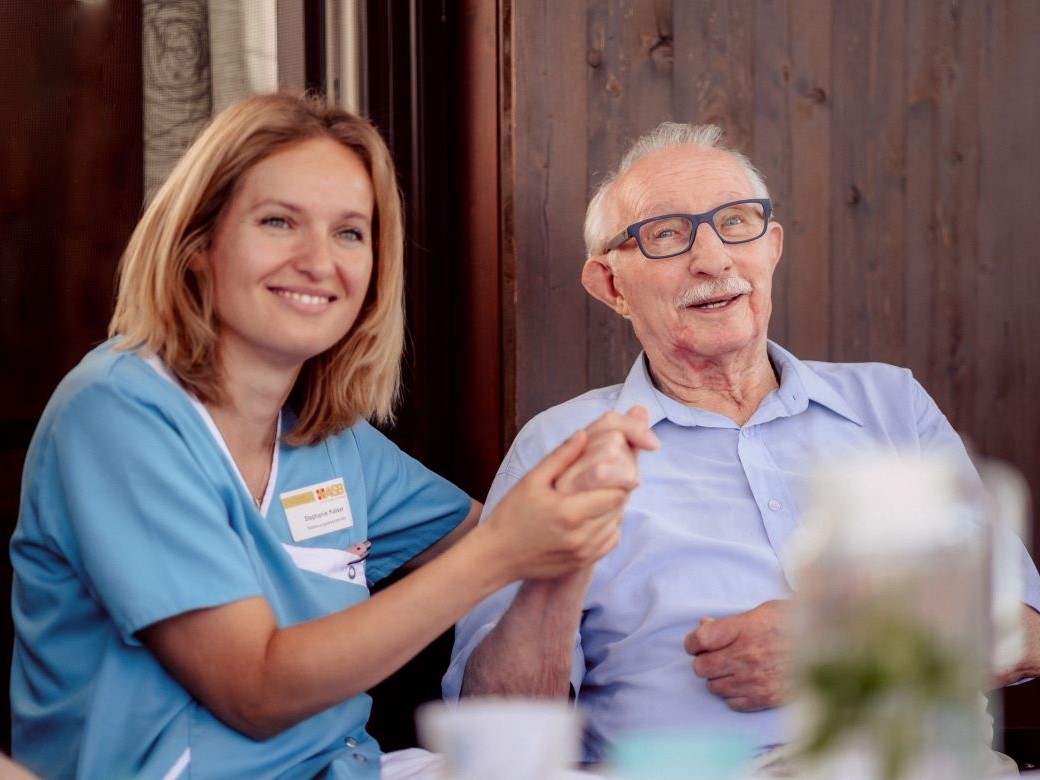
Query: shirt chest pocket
{"type": "Point", "coordinates": [347, 564]}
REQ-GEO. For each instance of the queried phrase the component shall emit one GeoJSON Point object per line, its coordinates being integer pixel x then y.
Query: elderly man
{"type": "Point", "coordinates": [682, 243]}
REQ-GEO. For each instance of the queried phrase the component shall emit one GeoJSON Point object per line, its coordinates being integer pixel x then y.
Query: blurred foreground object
{"type": "Point", "coordinates": [679, 755]}
{"type": "Point", "coordinates": [893, 629]}
{"type": "Point", "coordinates": [501, 738]}
{"type": "Point", "coordinates": [1007, 506]}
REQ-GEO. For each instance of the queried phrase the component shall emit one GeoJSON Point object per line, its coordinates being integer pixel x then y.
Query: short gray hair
{"type": "Point", "coordinates": [597, 228]}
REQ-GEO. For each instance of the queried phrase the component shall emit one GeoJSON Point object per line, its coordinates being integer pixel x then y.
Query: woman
{"type": "Point", "coordinates": [204, 504]}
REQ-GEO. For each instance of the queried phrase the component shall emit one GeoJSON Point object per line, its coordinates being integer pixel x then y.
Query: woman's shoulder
{"type": "Point", "coordinates": [363, 438]}
{"type": "Point", "coordinates": [111, 380]}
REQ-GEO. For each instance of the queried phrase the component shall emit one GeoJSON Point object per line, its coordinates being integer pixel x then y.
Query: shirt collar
{"type": "Point", "coordinates": [799, 385]}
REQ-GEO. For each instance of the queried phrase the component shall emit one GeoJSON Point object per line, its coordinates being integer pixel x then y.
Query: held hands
{"type": "Point", "coordinates": [609, 459]}
{"type": "Point", "coordinates": [565, 514]}
{"type": "Point", "coordinates": [743, 657]}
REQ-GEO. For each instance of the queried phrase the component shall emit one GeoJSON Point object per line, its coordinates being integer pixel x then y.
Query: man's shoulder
{"type": "Point", "coordinates": [547, 429]}
{"type": "Point", "coordinates": [868, 390]}
{"type": "Point", "coordinates": [576, 412]}
{"type": "Point", "coordinates": [866, 373]}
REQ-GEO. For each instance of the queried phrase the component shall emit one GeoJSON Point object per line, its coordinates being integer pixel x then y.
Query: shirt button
{"type": "Point", "coordinates": [351, 742]}
{"type": "Point", "coordinates": [360, 758]}
{"type": "Point", "coordinates": [774, 505]}
{"type": "Point", "coordinates": [745, 432]}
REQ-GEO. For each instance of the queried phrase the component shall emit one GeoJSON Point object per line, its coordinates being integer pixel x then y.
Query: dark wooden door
{"type": "Point", "coordinates": [70, 191]}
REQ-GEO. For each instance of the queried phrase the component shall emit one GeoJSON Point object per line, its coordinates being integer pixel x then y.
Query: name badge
{"type": "Point", "coordinates": [317, 509]}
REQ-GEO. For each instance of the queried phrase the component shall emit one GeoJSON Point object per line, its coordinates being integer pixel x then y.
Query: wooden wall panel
{"type": "Point", "coordinates": [898, 138]}
{"type": "Point", "coordinates": [893, 134]}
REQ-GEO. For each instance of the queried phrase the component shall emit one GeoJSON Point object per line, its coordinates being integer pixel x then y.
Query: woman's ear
{"type": "Point", "coordinates": [198, 261]}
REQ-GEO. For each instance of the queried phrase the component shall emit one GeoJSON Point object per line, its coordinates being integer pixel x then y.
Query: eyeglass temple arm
{"type": "Point", "coordinates": [618, 240]}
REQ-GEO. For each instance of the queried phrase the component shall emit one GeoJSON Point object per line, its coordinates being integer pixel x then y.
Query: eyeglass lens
{"type": "Point", "coordinates": [673, 235]}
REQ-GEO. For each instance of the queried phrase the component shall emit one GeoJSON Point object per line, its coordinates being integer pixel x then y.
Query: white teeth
{"type": "Point", "coordinates": [715, 305]}
{"type": "Point", "coordinates": [303, 297]}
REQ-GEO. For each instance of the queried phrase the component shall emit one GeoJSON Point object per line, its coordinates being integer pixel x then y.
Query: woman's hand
{"type": "Point", "coordinates": [261, 678]}
{"type": "Point", "coordinates": [565, 514]}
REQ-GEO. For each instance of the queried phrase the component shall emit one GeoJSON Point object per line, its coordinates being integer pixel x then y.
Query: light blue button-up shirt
{"type": "Point", "coordinates": [706, 533]}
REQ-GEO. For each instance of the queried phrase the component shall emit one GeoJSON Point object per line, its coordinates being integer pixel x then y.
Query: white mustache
{"type": "Point", "coordinates": [726, 287]}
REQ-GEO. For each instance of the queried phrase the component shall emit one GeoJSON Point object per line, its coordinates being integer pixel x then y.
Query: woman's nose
{"type": "Point", "coordinates": [314, 257]}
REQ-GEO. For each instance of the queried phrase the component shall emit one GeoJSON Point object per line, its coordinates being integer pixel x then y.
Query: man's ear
{"type": "Point", "coordinates": [599, 279]}
{"type": "Point", "coordinates": [776, 240]}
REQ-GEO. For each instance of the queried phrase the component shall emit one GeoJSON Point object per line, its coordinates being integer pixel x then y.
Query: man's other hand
{"type": "Point", "coordinates": [743, 657]}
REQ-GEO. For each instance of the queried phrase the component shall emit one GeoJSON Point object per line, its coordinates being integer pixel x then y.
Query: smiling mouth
{"type": "Point", "coordinates": [307, 298]}
{"type": "Point", "coordinates": [716, 303]}
{"type": "Point", "coordinates": [714, 294]}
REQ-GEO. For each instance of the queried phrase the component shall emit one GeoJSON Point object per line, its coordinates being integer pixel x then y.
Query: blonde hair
{"type": "Point", "coordinates": [598, 228]}
{"type": "Point", "coordinates": [165, 299]}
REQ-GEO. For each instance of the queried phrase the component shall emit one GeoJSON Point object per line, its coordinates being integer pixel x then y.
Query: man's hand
{"type": "Point", "coordinates": [609, 459]}
{"type": "Point", "coordinates": [565, 513]}
{"type": "Point", "coordinates": [529, 650]}
{"type": "Point", "coordinates": [743, 657]}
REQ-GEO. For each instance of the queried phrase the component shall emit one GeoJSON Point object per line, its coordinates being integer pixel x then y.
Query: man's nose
{"type": "Point", "coordinates": [708, 255]}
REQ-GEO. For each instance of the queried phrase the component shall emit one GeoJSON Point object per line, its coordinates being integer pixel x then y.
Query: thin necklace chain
{"type": "Point", "coordinates": [259, 500]}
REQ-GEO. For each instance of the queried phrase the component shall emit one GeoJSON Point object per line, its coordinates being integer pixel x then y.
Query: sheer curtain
{"type": "Point", "coordinates": [199, 56]}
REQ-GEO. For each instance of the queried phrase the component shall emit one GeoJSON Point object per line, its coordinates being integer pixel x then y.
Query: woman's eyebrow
{"type": "Point", "coordinates": [295, 209]}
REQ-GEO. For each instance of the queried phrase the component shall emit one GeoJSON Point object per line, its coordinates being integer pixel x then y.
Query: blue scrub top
{"type": "Point", "coordinates": [132, 512]}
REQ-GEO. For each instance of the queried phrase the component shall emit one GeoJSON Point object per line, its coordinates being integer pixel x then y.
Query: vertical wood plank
{"type": "Point", "coordinates": [548, 166]}
{"type": "Point", "coordinates": [868, 198]}
{"type": "Point", "coordinates": [630, 72]}
{"type": "Point", "coordinates": [478, 224]}
{"type": "Point", "coordinates": [1007, 276]}
{"type": "Point", "coordinates": [507, 184]}
{"type": "Point", "coordinates": [792, 147]}
{"type": "Point", "coordinates": [942, 184]}
{"type": "Point", "coordinates": [714, 67]}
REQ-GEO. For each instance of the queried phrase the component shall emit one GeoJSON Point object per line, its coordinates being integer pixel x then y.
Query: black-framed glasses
{"type": "Point", "coordinates": [672, 234]}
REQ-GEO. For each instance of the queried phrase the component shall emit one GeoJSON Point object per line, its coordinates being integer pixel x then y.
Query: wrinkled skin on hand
{"type": "Point", "coordinates": [610, 456]}
{"type": "Point", "coordinates": [743, 658]}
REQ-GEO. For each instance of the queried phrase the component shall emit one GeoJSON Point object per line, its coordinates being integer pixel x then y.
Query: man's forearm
{"type": "Point", "coordinates": [529, 651]}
